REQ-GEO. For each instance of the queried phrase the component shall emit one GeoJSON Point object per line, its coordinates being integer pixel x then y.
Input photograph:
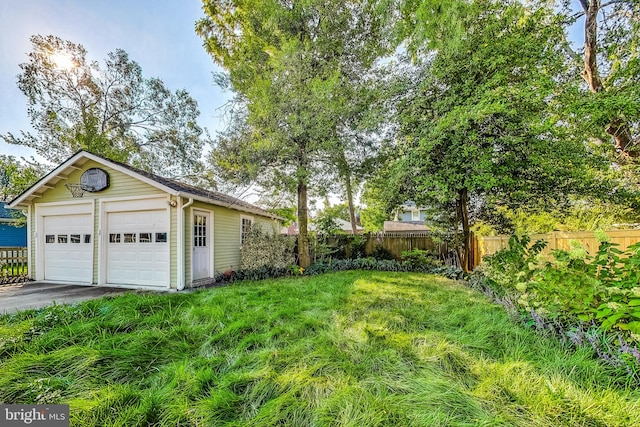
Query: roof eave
{"type": "Point", "coordinates": [230, 206]}
{"type": "Point", "coordinates": [69, 162]}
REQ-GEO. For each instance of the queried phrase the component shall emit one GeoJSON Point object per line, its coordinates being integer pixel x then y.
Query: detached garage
{"type": "Point", "coordinates": [94, 221]}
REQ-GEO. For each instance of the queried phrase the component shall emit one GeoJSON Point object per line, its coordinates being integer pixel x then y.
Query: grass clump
{"type": "Point", "coordinates": [352, 348]}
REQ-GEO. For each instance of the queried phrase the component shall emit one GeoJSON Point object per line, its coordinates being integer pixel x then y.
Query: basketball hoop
{"type": "Point", "coordinates": [76, 190]}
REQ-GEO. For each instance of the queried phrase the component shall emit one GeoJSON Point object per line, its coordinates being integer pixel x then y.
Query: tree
{"type": "Point", "coordinates": [110, 110]}
{"type": "Point", "coordinates": [337, 211]}
{"type": "Point", "coordinates": [610, 69]}
{"type": "Point", "coordinates": [16, 176]}
{"type": "Point", "coordinates": [360, 133]}
{"type": "Point", "coordinates": [284, 61]}
{"type": "Point", "coordinates": [475, 126]}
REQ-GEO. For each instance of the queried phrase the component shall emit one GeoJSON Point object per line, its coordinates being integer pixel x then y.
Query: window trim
{"type": "Point", "coordinates": [413, 214]}
{"type": "Point", "coordinates": [250, 219]}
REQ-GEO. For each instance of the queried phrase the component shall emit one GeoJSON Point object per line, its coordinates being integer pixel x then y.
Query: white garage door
{"type": "Point", "coordinates": [68, 248]}
{"type": "Point", "coordinates": [138, 248]}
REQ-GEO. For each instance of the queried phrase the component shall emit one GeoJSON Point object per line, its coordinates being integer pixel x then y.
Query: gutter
{"type": "Point", "coordinates": [181, 246]}
{"type": "Point", "coordinates": [233, 206]}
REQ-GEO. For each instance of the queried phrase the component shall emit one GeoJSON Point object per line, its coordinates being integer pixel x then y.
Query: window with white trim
{"type": "Point", "coordinates": [415, 215]}
{"type": "Point", "coordinates": [245, 226]}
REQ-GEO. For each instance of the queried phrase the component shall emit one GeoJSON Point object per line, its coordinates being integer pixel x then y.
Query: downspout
{"type": "Point", "coordinates": [30, 268]}
{"type": "Point", "coordinates": [181, 245]}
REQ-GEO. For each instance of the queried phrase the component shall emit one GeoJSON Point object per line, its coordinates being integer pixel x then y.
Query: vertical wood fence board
{"type": "Point", "coordinates": [559, 240]}
{"type": "Point", "coordinates": [13, 261]}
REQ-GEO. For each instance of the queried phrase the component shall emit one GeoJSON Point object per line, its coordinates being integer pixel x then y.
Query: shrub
{"type": "Point", "coordinates": [380, 252]}
{"type": "Point", "coordinates": [421, 258]}
{"type": "Point", "coordinates": [382, 265]}
{"type": "Point", "coordinates": [263, 250]}
{"type": "Point", "coordinates": [571, 291]}
{"type": "Point", "coordinates": [509, 266]}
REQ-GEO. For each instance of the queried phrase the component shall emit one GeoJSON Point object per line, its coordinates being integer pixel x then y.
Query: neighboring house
{"type": "Point", "coordinates": [408, 218]}
{"type": "Point", "coordinates": [129, 228]}
{"type": "Point", "coordinates": [11, 234]}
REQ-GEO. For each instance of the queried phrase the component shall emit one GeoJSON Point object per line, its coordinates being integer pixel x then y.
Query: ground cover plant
{"type": "Point", "coordinates": [587, 298]}
{"type": "Point", "coordinates": [354, 348]}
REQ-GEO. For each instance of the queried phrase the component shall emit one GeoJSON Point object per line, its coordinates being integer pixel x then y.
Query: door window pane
{"type": "Point", "coordinates": [145, 237]}
{"type": "Point", "coordinates": [62, 238]}
{"type": "Point", "coordinates": [129, 237]}
{"type": "Point", "coordinates": [75, 238]}
{"type": "Point", "coordinates": [51, 238]}
{"type": "Point", "coordinates": [114, 238]}
{"type": "Point", "coordinates": [199, 231]}
{"type": "Point", "coordinates": [161, 237]}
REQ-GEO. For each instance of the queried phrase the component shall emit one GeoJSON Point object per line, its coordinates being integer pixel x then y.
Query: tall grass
{"type": "Point", "coordinates": [347, 349]}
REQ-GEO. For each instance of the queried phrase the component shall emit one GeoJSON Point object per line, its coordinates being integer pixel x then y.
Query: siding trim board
{"type": "Point", "coordinates": [210, 215]}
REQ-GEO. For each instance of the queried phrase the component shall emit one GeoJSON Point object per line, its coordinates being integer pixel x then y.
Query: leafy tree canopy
{"type": "Point", "coordinates": [17, 175]}
{"type": "Point", "coordinates": [111, 109]}
{"type": "Point", "coordinates": [476, 125]}
{"type": "Point", "coordinates": [287, 62]}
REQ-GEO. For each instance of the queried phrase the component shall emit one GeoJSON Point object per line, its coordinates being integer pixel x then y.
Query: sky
{"type": "Point", "coordinates": [159, 35]}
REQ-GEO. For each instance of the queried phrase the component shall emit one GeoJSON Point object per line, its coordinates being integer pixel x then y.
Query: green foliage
{"type": "Point", "coordinates": [17, 175]}
{"type": "Point", "coordinates": [262, 249]}
{"type": "Point", "coordinates": [370, 263]}
{"type": "Point", "coordinates": [418, 257]}
{"type": "Point", "coordinates": [582, 214]}
{"type": "Point", "coordinates": [380, 252]}
{"type": "Point", "coordinates": [111, 110]}
{"type": "Point", "coordinates": [326, 225]}
{"type": "Point", "coordinates": [510, 266]}
{"type": "Point", "coordinates": [476, 115]}
{"type": "Point", "coordinates": [339, 211]}
{"type": "Point", "coordinates": [289, 214]}
{"type": "Point", "coordinates": [351, 348]}
{"type": "Point", "coordinates": [372, 219]}
{"type": "Point", "coordinates": [298, 71]}
{"type": "Point", "coordinates": [570, 287]}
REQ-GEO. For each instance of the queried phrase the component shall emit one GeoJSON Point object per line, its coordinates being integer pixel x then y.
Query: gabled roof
{"type": "Point", "coordinates": [173, 187]}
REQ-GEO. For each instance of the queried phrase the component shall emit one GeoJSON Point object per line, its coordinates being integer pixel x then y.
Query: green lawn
{"type": "Point", "coordinates": [345, 349]}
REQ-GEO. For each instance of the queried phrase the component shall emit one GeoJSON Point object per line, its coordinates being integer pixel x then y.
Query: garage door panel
{"type": "Point", "coordinates": [137, 253]}
{"type": "Point", "coordinates": [68, 248]}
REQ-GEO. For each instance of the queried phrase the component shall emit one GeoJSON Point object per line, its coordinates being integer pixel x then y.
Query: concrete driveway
{"type": "Point", "coordinates": [36, 295]}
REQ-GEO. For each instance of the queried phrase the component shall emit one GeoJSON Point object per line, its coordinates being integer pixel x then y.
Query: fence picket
{"type": "Point", "coordinates": [561, 240]}
{"type": "Point", "coordinates": [13, 262]}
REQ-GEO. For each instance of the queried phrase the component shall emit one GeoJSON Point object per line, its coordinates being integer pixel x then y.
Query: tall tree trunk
{"type": "Point", "coordinates": [304, 259]}
{"type": "Point", "coordinates": [463, 202]}
{"type": "Point", "coordinates": [618, 128]}
{"type": "Point", "coordinates": [352, 211]}
{"type": "Point", "coordinates": [590, 72]}
{"type": "Point", "coordinates": [345, 173]}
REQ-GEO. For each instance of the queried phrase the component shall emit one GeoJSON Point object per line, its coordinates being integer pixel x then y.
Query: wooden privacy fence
{"type": "Point", "coordinates": [396, 243]}
{"type": "Point", "coordinates": [559, 240]}
{"type": "Point", "coordinates": [13, 264]}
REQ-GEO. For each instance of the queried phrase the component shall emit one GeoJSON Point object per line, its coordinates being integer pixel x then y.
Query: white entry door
{"type": "Point", "coordinates": [68, 248]}
{"type": "Point", "coordinates": [138, 248]}
{"type": "Point", "coordinates": [201, 245]}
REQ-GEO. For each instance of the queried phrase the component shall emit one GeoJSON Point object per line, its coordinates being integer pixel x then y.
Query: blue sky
{"type": "Point", "coordinates": [158, 34]}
